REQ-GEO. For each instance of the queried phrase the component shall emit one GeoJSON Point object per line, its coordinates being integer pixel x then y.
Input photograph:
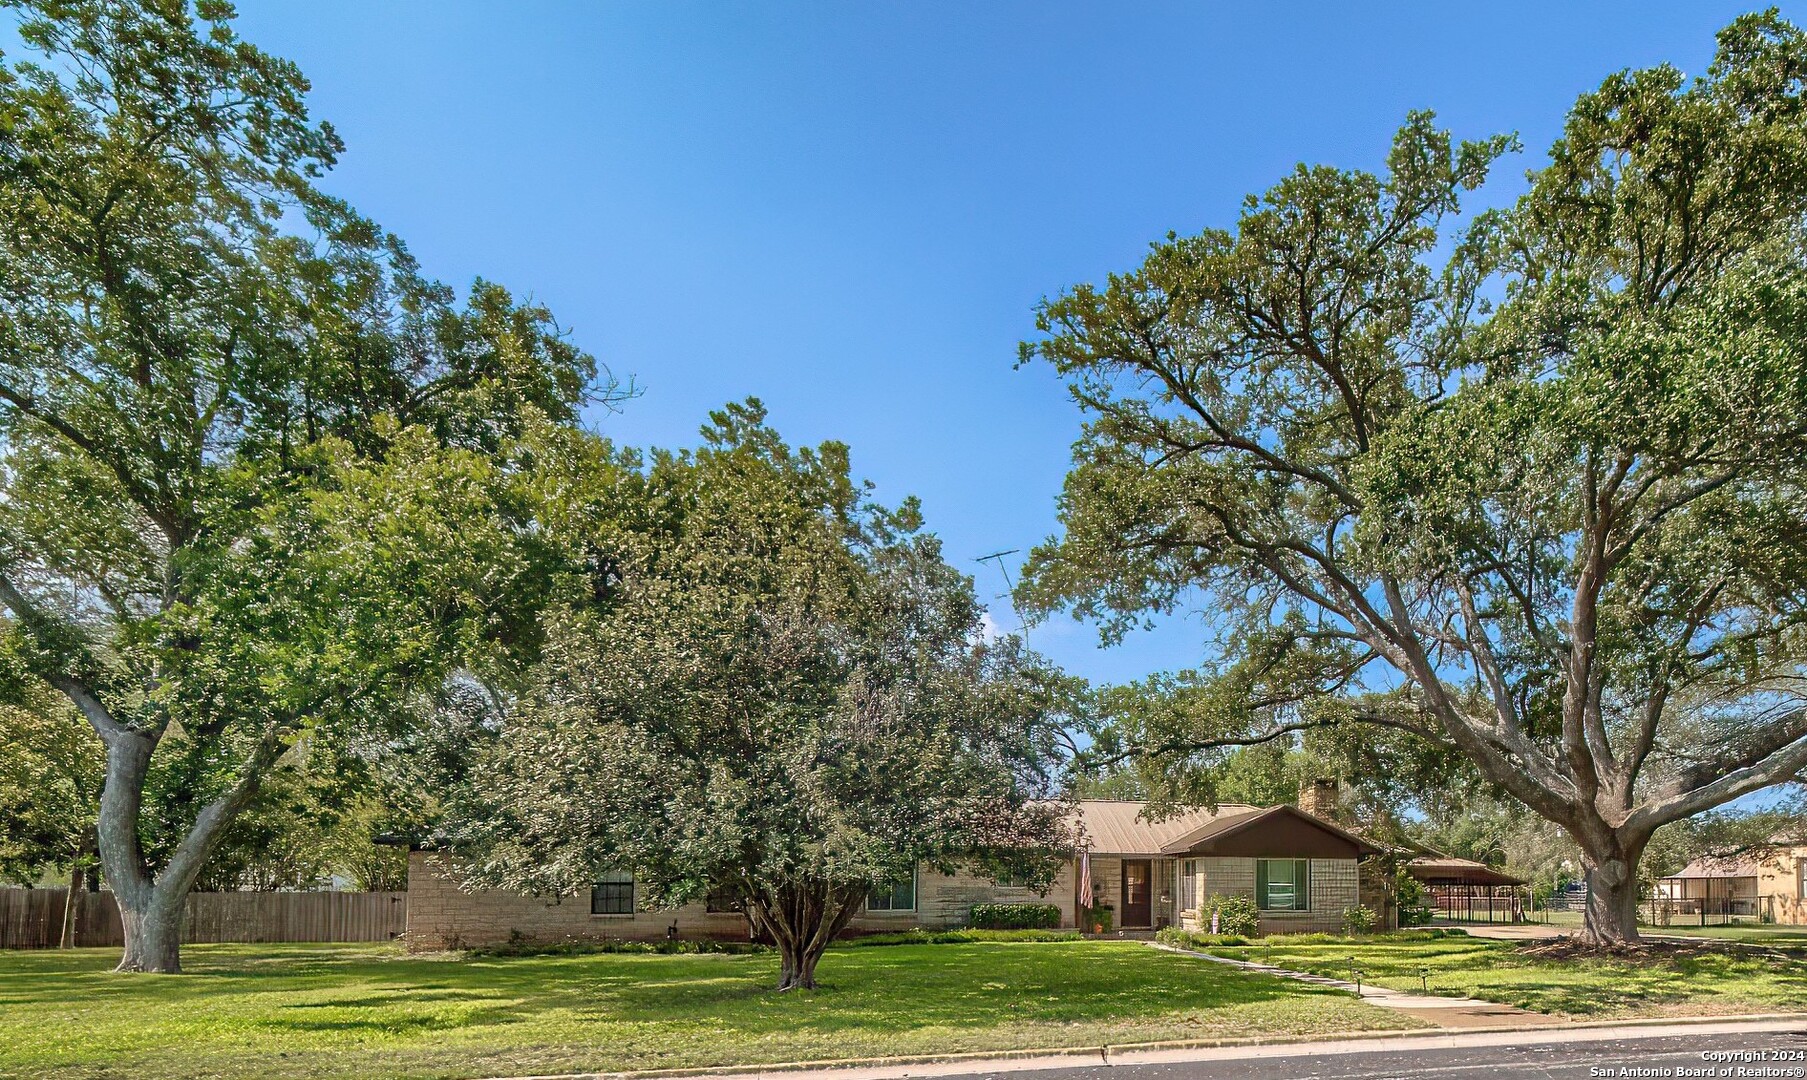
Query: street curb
{"type": "Point", "coordinates": [1079, 1056]}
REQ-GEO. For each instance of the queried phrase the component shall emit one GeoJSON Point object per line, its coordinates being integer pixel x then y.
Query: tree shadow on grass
{"type": "Point", "coordinates": [962, 987]}
{"type": "Point", "coordinates": [405, 1024]}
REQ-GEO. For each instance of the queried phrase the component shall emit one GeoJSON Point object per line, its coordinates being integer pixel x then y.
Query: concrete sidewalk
{"type": "Point", "coordinates": [1444, 1012]}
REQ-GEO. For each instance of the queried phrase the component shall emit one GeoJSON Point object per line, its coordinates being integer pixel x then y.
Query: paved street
{"type": "Point", "coordinates": [1558, 1057]}
{"type": "Point", "coordinates": [1774, 1049]}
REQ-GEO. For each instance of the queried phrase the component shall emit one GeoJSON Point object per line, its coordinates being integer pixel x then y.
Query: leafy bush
{"type": "Point", "coordinates": [958, 937]}
{"type": "Point", "coordinates": [1100, 919]}
{"type": "Point", "coordinates": [1014, 917]}
{"type": "Point", "coordinates": [1414, 906]}
{"type": "Point", "coordinates": [1237, 916]}
{"type": "Point", "coordinates": [521, 946]}
{"type": "Point", "coordinates": [1187, 939]}
{"type": "Point", "coordinates": [1359, 919]}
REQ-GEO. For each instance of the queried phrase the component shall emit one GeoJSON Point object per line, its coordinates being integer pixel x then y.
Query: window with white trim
{"type": "Point", "coordinates": [1283, 884]}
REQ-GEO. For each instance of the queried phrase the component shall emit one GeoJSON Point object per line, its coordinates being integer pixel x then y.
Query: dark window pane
{"type": "Point", "coordinates": [898, 897]}
{"type": "Point", "coordinates": [613, 894]}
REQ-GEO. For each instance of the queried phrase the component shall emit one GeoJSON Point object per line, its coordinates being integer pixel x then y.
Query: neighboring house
{"type": "Point", "coordinates": [1299, 869]}
{"type": "Point", "coordinates": [1766, 884]}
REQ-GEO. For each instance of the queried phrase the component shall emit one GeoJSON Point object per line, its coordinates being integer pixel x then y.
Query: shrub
{"type": "Point", "coordinates": [958, 937]}
{"type": "Point", "coordinates": [1187, 939]}
{"type": "Point", "coordinates": [1014, 917]}
{"type": "Point", "coordinates": [1237, 916]}
{"type": "Point", "coordinates": [1414, 906]}
{"type": "Point", "coordinates": [518, 945]}
{"type": "Point", "coordinates": [1100, 919]}
{"type": "Point", "coordinates": [1359, 919]}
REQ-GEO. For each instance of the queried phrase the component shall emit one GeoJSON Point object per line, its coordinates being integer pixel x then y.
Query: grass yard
{"type": "Point", "coordinates": [351, 1010]}
{"type": "Point", "coordinates": [1703, 982]}
{"type": "Point", "coordinates": [1750, 930]}
{"type": "Point", "coordinates": [1769, 934]}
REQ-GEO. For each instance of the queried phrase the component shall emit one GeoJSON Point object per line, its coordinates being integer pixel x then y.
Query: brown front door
{"type": "Point", "coordinates": [1138, 912]}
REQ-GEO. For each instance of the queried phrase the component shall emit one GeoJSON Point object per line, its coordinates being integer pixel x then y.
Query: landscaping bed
{"type": "Point", "coordinates": [361, 1010]}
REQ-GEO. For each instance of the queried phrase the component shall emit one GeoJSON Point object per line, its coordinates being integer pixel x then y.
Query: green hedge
{"type": "Point", "coordinates": [1014, 917]}
{"type": "Point", "coordinates": [957, 937]}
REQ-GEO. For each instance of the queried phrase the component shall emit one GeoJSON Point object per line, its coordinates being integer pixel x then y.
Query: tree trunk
{"type": "Point", "coordinates": [66, 938]}
{"type": "Point", "coordinates": [797, 971]}
{"type": "Point", "coordinates": [153, 935]}
{"type": "Point", "coordinates": [1611, 872]}
{"type": "Point", "coordinates": [151, 905]}
{"type": "Point", "coordinates": [803, 919]}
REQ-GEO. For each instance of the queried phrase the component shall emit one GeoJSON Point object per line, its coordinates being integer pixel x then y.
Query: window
{"type": "Point", "coordinates": [898, 897]}
{"type": "Point", "coordinates": [722, 900]}
{"type": "Point", "coordinates": [1282, 884]}
{"type": "Point", "coordinates": [613, 894]}
{"type": "Point", "coordinates": [1013, 881]}
{"type": "Point", "coordinates": [1189, 885]}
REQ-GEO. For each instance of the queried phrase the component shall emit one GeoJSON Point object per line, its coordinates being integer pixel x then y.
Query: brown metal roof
{"type": "Point", "coordinates": [1445, 869]}
{"type": "Point", "coordinates": [1718, 868]}
{"type": "Point", "coordinates": [1116, 827]}
{"type": "Point", "coordinates": [1291, 828]}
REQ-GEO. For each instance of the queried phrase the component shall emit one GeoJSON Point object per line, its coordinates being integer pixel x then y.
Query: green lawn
{"type": "Point", "coordinates": [1748, 930]}
{"type": "Point", "coordinates": [1681, 925]}
{"type": "Point", "coordinates": [1699, 983]}
{"type": "Point", "coordinates": [1780, 937]}
{"type": "Point", "coordinates": [346, 1010]}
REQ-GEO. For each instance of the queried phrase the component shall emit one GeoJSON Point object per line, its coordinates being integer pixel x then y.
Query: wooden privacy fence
{"type": "Point", "coordinates": [33, 918]}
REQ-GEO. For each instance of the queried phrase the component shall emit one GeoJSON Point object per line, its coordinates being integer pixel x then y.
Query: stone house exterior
{"type": "Point", "coordinates": [1299, 868]}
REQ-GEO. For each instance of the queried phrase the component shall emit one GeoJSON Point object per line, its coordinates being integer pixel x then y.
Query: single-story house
{"type": "Point", "coordinates": [1298, 868]}
{"type": "Point", "coordinates": [1770, 883]}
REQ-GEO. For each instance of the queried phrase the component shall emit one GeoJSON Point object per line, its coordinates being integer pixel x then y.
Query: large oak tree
{"type": "Point", "coordinates": [1528, 484]}
{"type": "Point", "coordinates": [250, 490]}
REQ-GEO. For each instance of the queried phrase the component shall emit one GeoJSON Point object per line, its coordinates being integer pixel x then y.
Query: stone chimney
{"type": "Point", "coordinates": [1319, 798]}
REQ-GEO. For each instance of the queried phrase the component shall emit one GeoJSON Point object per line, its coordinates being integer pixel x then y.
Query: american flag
{"type": "Point", "coordinates": [1085, 879]}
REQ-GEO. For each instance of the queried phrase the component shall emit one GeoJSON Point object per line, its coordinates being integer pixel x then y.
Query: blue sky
{"type": "Point", "coordinates": [850, 210]}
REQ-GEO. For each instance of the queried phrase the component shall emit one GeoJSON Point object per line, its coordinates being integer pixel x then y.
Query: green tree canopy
{"type": "Point", "coordinates": [778, 691]}
{"type": "Point", "coordinates": [1528, 485]}
{"type": "Point", "coordinates": [251, 474]}
{"type": "Point", "coordinates": [50, 778]}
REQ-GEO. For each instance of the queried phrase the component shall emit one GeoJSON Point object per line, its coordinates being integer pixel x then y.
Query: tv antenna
{"type": "Point", "coordinates": [1022, 628]}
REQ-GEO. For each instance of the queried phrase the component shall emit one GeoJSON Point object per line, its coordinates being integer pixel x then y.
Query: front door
{"type": "Point", "coordinates": [1138, 911]}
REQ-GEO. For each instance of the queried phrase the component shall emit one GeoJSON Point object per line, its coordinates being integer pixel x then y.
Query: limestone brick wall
{"type": "Point", "coordinates": [441, 915]}
{"type": "Point", "coordinates": [1334, 885]}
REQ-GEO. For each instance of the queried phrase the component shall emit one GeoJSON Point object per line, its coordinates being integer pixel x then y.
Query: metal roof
{"type": "Point", "coordinates": [1444, 869]}
{"type": "Point", "coordinates": [1116, 827]}
{"type": "Point", "coordinates": [1718, 868]}
{"type": "Point", "coordinates": [1225, 825]}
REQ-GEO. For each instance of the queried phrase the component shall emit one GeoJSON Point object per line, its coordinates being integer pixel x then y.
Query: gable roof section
{"type": "Point", "coordinates": [1278, 830]}
{"type": "Point", "coordinates": [1117, 828]}
{"type": "Point", "coordinates": [1441, 869]}
{"type": "Point", "coordinates": [1709, 867]}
